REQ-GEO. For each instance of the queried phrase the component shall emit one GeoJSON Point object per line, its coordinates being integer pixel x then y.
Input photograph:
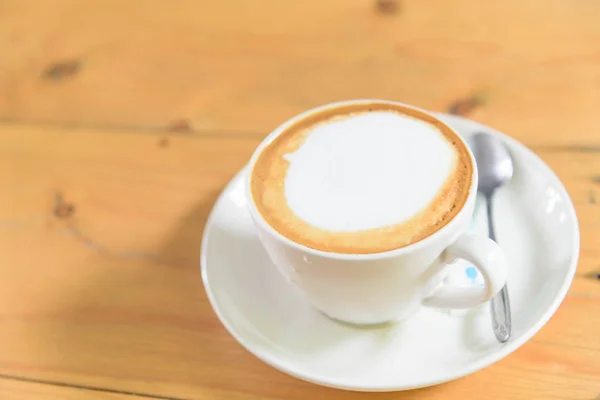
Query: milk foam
{"type": "Point", "coordinates": [367, 171]}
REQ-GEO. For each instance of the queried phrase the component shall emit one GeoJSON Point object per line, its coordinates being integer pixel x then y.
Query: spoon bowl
{"type": "Point", "coordinates": [494, 164]}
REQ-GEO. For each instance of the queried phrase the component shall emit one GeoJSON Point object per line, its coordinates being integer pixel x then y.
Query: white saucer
{"type": "Point", "coordinates": [535, 224]}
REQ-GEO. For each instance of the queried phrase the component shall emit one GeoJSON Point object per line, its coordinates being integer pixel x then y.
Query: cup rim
{"type": "Point", "coordinates": [260, 220]}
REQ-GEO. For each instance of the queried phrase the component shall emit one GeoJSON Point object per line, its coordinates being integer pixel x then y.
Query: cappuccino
{"type": "Point", "coordinates": [362, 178]}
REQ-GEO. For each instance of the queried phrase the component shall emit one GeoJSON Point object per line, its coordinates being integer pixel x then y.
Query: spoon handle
{"type": "Point", "coordinates": [490, 218]}
{"type": "Point", "coordinates": [499, 304]}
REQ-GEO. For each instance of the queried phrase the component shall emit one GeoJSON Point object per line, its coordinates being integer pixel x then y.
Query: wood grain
{"type": "Point", "coordinates": [120, 123]}
{"type": "Point", "coordinates": [247, 66]}
{"type": "Point", "coordinates": [11, 389]}
{"type": "Point", "coordinates": [96, 226]}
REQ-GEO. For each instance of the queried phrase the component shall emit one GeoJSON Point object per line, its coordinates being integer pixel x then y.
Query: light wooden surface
{"type": "Point", "coordinates": [121, 121]}
{"type": "Point", "coordinates": [12, 389]}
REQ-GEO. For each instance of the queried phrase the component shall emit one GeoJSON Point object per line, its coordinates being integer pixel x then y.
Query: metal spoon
{"type": "Point", "coordinates": [495, 168]}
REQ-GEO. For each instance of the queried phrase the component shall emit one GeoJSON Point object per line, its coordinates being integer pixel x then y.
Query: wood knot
{"type": "Point", "coordinates": [465, 106]}
{"type": "Point", "coordinates": [62, 209]}
{"type": "Point", "coordinates": [61, 70]}
{"type": "Point", "coordinates": [163, 142]}
{"type": "Point", "coordinates": [179, 125]}
{"type": "Point", "coordinates": [387, 6]}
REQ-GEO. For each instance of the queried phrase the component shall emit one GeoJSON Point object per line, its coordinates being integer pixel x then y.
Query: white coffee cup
{"type": "Point", "coordinates": [391, 285]}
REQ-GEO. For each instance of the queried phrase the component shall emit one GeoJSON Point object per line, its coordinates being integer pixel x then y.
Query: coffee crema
{"type": "Point", "coordinates": [362, 178]}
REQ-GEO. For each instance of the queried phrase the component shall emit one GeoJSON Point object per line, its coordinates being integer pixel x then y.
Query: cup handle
{"type": "Point", "coordinates": [487, 257]}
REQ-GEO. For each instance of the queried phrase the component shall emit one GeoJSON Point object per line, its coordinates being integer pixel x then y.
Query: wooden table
{"type": "Point", "coordinates": [121, 121]}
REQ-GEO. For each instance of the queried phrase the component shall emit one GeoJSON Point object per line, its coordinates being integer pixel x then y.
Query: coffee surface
{"type": "Point", "coordinates": [362, 178]}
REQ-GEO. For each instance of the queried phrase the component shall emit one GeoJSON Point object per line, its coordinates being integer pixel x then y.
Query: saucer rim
{"type": "Point", "coordinates": [480, 364]}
